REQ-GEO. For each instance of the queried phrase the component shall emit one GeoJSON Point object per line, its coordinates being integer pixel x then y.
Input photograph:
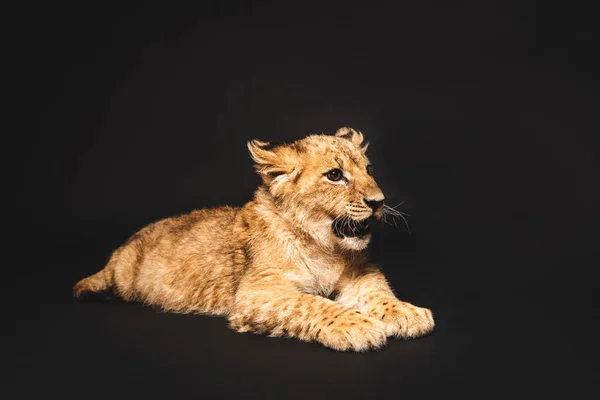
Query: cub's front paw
{"type": "Point", "coordinates": [353, 332]}
{"type": "Point", "coordinates": [404, 319]}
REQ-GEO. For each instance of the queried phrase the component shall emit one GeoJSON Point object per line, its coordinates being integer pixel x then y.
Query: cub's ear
{"type": "Point", "coordinates": [261, 152]}
{"type": "Point", "coordinates": [268, 163]}
{"type": "Point", "coordinates": [356, 137]}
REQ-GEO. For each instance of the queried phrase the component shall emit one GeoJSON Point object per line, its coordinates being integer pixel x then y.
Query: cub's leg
{"type": "Point", "coordinates": [270, 305]}
{"type": "Point", "coordinates": [370, 292]}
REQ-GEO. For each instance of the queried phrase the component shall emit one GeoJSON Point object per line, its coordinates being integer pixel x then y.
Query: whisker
{"type": "Point", "coordinates": [347, 222]}
{"type": "Point", "coordinates": [405, 222]}
{"type": "Point", "coordinates": [396, 206]}
{"type": "Point", "coordinates": [384, 219]}
{"type": "Point", "coordinates": [391, 211]}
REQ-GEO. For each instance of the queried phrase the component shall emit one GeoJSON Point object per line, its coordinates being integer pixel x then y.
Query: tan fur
{"type": "Point", "coordinates": [270, 265]}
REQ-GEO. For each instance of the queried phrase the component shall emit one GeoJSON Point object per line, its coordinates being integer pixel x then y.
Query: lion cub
{"type": "Point", "coordinates": [271, 266]}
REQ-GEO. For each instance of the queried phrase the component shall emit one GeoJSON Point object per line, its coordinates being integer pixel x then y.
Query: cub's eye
{"type": "Point", "coordinates": [334, 175]}
{"type": "Point", "coordinates": [370, 170]}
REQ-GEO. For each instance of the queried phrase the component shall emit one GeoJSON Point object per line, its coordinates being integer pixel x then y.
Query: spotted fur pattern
{"type": "Point", "coordinates": [274, 266]}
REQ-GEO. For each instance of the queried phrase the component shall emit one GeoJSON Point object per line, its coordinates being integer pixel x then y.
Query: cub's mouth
{"type": "Point", "coordinates": [346, 227]}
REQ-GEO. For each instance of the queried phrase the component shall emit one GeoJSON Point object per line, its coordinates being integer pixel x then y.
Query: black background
{"type": "Point", "coordinates": [481, 118]}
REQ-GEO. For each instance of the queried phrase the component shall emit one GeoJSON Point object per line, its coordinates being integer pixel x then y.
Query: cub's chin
{"type": "Point", "coordinates": [356, 243]}
{"type": "Point", "coordinates": [353, 234]}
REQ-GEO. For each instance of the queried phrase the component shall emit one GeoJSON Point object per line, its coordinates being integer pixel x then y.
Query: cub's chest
{"type": "Point", "coordinates": [316, 275]}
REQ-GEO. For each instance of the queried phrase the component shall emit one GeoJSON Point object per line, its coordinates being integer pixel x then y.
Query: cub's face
{"type": "Point", "coordinates": [325, 183]}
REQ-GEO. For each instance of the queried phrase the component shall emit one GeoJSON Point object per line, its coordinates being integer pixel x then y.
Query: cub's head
{"type": "Point", "coordinates": [325, 184]}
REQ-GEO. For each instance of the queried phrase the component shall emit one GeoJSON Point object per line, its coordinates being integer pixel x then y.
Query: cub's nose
{"type": "Point", "coordinates": [374, 204]}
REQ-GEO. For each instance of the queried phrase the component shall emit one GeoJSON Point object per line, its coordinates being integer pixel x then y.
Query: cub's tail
{"type": "Point", "coordinates": [98, 287]}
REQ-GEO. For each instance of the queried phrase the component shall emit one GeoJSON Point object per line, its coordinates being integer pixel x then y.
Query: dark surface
{"type": "Point", "coordinates": [483, 122]}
